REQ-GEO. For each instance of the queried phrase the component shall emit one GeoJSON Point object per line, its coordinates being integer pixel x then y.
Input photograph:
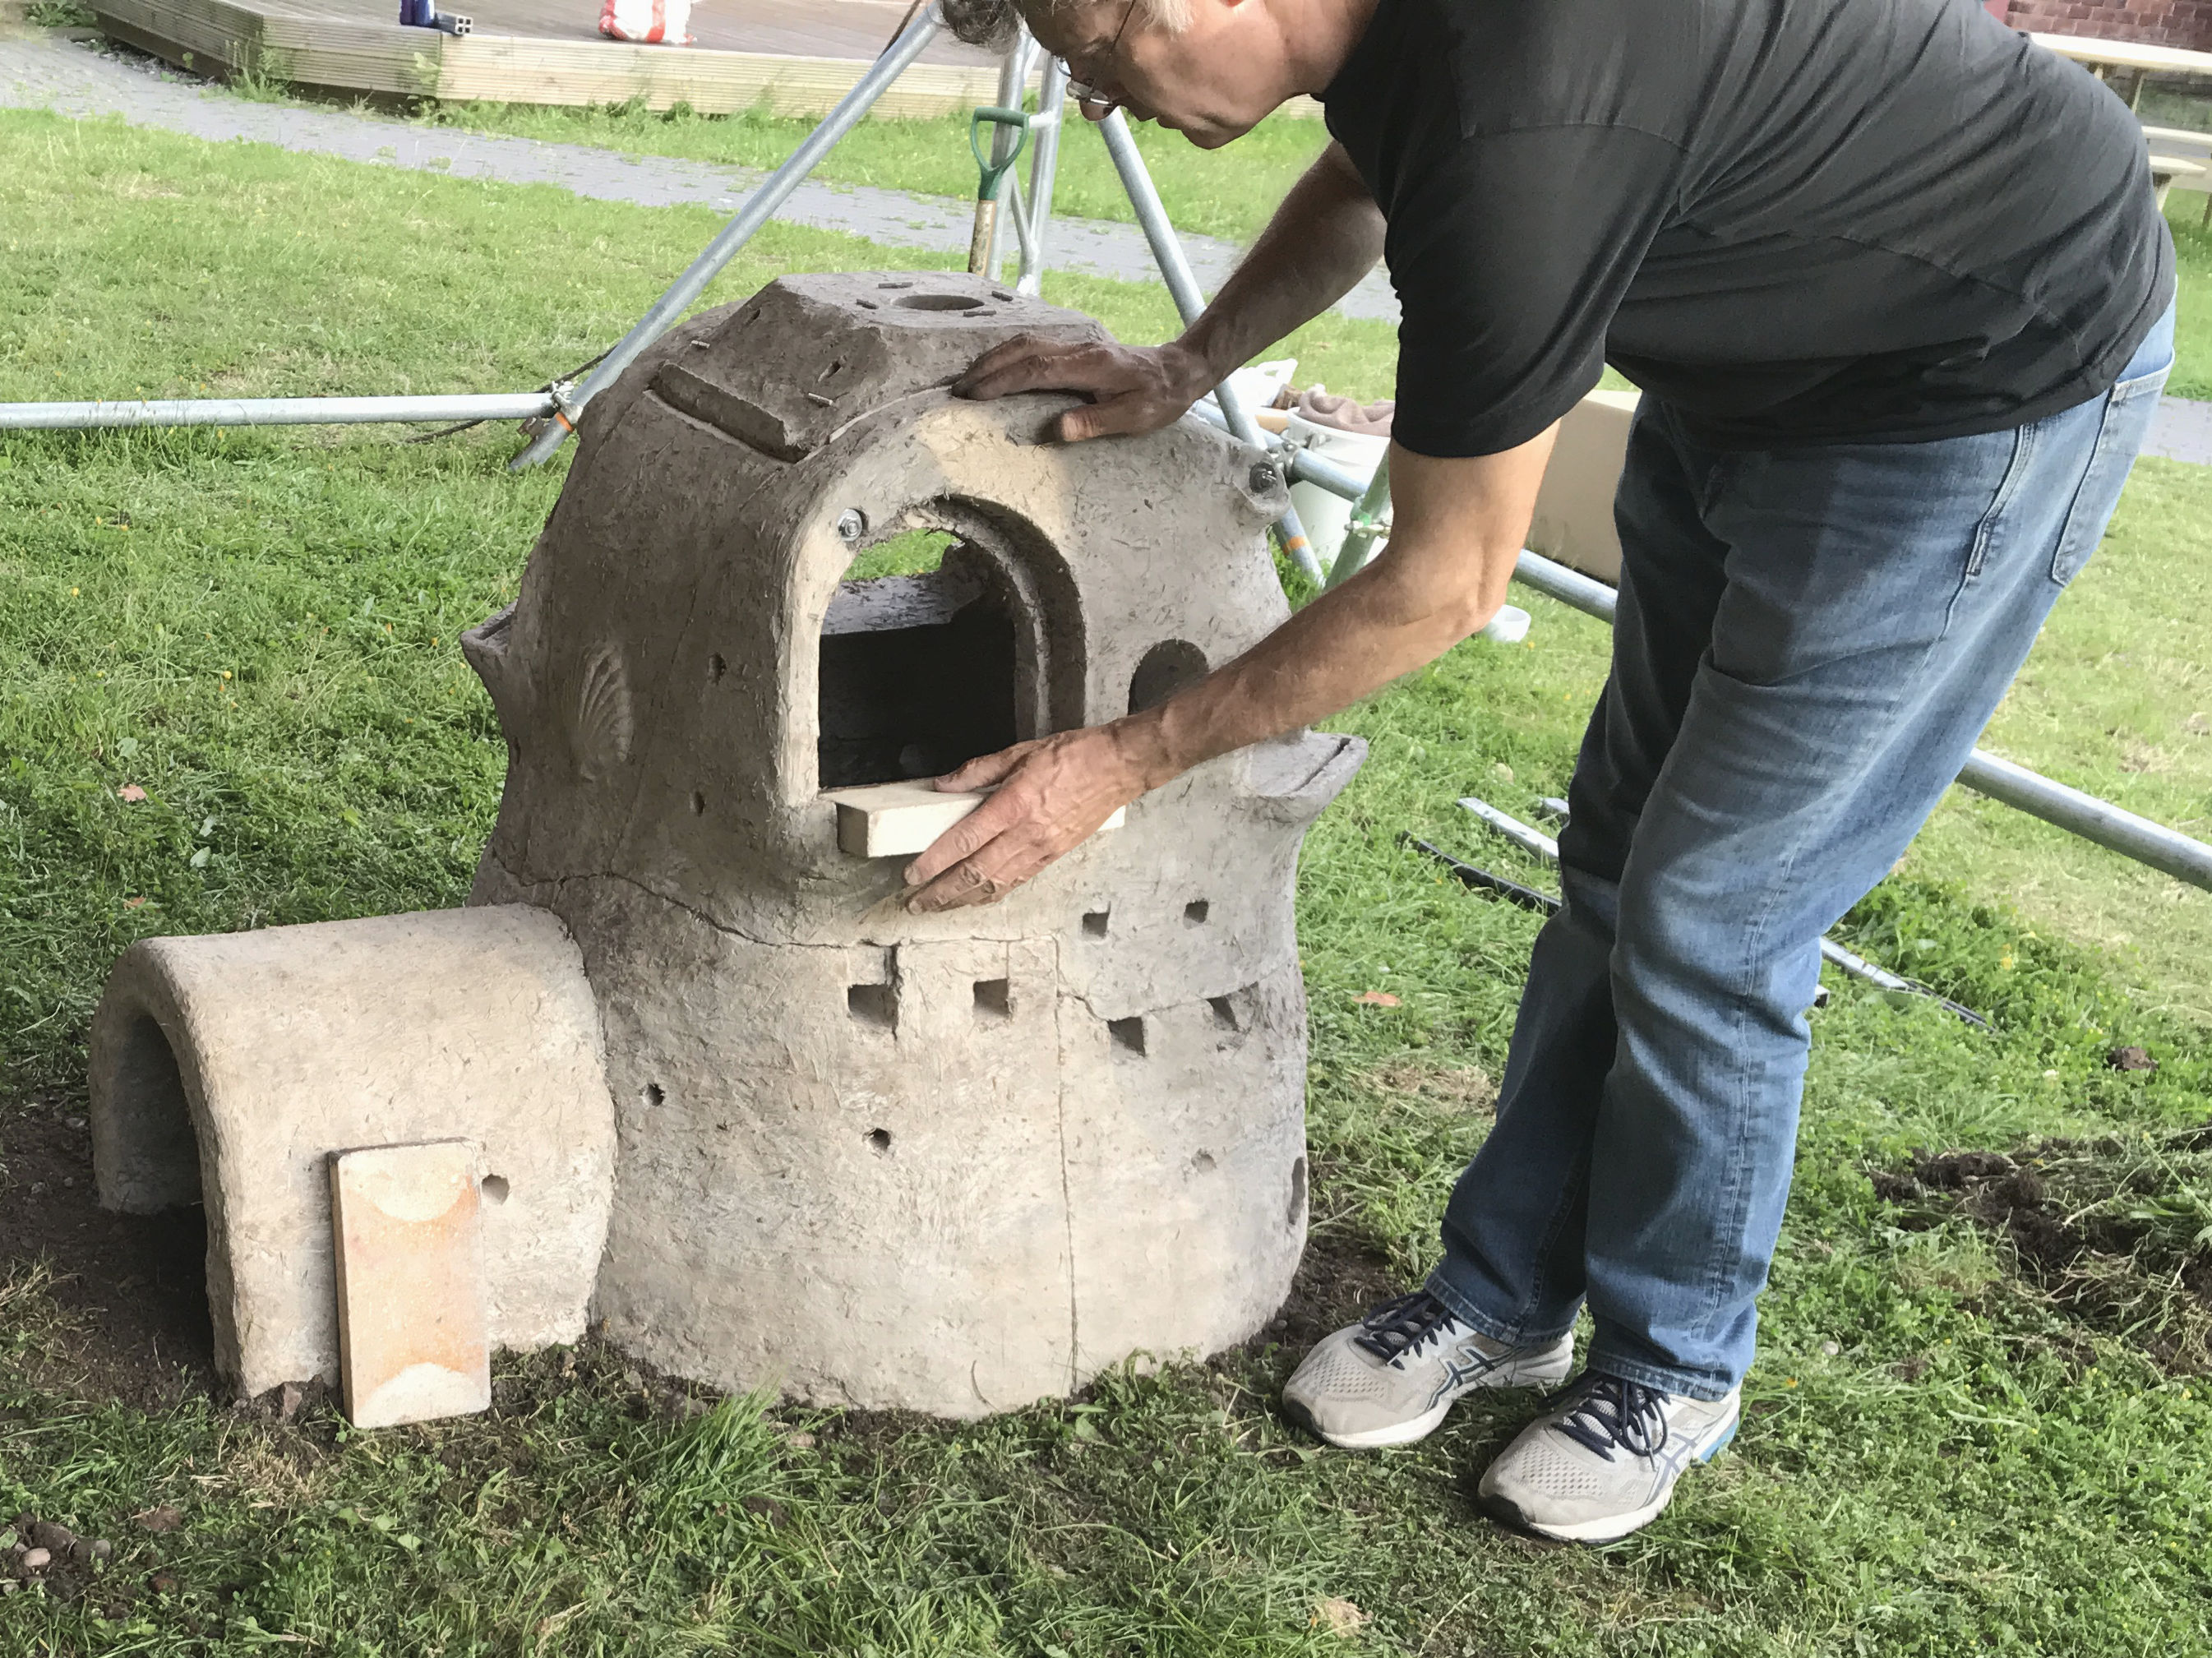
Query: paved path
{"type": "Point", "coordinates": [46, 72]}
{"type": "Point", "coordinates": [2181, 431]}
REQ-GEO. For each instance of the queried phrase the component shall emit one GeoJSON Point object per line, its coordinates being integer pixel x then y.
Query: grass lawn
{"type": "Point", "coordinates": [1228, 193]}
{"type": "Point", "coordinates": [1952, 1447]}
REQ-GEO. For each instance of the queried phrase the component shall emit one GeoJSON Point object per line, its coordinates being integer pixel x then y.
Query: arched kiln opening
{"type": "Point", "coordinates": [151, 1257]}
{"type": "Point", "coordinates": [918, 663]}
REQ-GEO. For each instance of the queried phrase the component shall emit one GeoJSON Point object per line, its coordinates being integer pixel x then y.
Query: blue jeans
{"type": "Point", "coordinates": [1809, 641]}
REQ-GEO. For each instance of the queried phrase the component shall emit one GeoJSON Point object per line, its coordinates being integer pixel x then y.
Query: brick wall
{"type": "Point", "coordinates": [2185, 23]}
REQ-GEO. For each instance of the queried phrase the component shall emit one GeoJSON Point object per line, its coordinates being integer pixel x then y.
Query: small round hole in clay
{"type": "Point", "coordinates": [939, 302]}
{"type": "Point", "coordinates": [698, 804]}
{"type": "Point", "coordinates": [494, 1187]}
{"type": "Point", "coordinates": [880, 1139]}
{"type": "Point", "coordinates": [652, 1096]}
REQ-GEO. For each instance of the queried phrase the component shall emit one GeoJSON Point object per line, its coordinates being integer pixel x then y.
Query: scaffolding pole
{"type": "Point", "coordinates": [272, 411]}
{"type": "Point", "coordinates": [1183, 288]}
{"type": "Point", "coordinates": [760, 207]}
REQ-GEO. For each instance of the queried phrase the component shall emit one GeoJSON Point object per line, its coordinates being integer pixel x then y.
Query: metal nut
{"type": "Point", "coordinates": [1264, 479]}
{"type": "Point", "coordinates": [852, 524]}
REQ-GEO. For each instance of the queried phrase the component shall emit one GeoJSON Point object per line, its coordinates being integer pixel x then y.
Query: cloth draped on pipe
{"type": "Point", "coordinates": [650, 22]}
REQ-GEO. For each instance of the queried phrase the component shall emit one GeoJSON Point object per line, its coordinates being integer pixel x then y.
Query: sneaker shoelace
{"type": "Point", "coordinates": [1402, 1326]}
{"type": "Point", "coordinates": [1611, 1414]}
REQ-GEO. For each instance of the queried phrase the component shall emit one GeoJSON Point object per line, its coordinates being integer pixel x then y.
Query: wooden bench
{"type": "Point", "coordinates": [2171, 161]}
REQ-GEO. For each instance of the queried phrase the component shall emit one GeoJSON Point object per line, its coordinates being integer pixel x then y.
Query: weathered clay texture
{"type": "Point", "coordinates": [955, 1163]}
{"type": "Point", "coordinates": [232, 1067]}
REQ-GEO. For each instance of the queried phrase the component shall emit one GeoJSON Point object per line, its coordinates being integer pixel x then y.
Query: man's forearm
{"type": "Point", "coordinates": [1347, 644]}
{"type": "Point", "coordinates": [1459, 528]}
{"type": "Point", "coordinates": [1326, 236]}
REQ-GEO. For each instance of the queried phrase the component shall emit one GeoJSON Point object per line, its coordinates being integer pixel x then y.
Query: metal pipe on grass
{"type": "Point", "coordinates": [759, 208]}
{"type": "Point", "coordinates": [1183, 288]}
{"type": "Point", "coordinates": [1538, 844]}
{"type": "Point", "coordinates": [2112, 827]}
{"type": "Point", "coordinates": [2091, 818]}
{"type": "Point", "coordinates": [270, 411]}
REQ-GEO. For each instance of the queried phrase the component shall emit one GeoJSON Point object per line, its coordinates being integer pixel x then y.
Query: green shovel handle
{"type": "Point", "coordinates": [994, 172]}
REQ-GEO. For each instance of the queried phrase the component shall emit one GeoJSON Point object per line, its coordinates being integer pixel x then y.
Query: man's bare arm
{"type": "Point", "coordinates": [1458, 527]}
{"type": "Point", "coordinates": [1326, 236]}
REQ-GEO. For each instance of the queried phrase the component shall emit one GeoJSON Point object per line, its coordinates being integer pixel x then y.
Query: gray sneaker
{"type": "Point", "coordinates": [1603, 1460]}
{"type": "Point", "coordinates": [1389, 1379]}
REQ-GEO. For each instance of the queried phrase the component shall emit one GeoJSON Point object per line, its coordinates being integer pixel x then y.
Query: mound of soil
{"type": "Point", "coordinates": [2069, 1247]}
{"type": "Point", "coordinates": [138, 1281]}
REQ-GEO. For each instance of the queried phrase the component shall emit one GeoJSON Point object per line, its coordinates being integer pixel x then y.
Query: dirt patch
{"type": "Point", "coordinates": [1456, 1087]}
{"type": "Point", "coordinates": [2109, 1228]}
{"type": "Point", "coordinates": [138, 1282]}
{"type": "Point", "coordinates": [1341, 1279]}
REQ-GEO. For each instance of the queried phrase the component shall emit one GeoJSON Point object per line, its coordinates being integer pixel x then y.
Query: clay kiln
{"type": "Point", "coordinates": [950, 1163]}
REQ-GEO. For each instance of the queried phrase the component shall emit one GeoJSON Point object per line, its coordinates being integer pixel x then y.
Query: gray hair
{"type": "Point", "coordinates": [992, 23]}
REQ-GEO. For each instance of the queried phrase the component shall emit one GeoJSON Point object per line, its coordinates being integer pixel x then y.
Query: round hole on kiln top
{"type": "Point", "coordinates": [494, 1187]}
{"type": "Point", "coordinates": [894, 287]}
{"type": "Point", "coordinates": [880, 1140]}
{"type": "Point", "coordinates": [939, 302]}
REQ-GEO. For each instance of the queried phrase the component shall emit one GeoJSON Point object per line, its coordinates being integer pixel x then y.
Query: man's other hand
{"type": "Point", "coordinates": [1131, 388]}
{"type": "Point", "coordinates": [1052, 795]}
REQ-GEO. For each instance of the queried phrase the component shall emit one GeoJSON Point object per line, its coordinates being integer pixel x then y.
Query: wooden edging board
{"type": "Point", "coordinates": [225, 37]}
{"type": "Point", "coordinates": [229, 38]}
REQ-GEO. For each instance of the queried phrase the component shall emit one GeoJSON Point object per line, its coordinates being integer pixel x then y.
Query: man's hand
{"type": "Point", "coordinates": [1458, 526]}
{"type": "Point", "coordinates": [1131, 388]}
{"type": "Point", "coordinates": [1052, 795]}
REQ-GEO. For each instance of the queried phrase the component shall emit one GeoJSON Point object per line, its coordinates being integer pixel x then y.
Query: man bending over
{"type": "Point", "coordinates": [1899, 299]}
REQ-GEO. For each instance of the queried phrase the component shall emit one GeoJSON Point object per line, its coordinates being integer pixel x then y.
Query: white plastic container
{"type": "Point", "coordinates": [1325, 513]}
{"type": "Point", "coordinates": [1256, 385]}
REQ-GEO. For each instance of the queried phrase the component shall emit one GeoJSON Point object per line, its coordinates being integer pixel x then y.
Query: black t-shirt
{"type": "Point", "coordinates": [1796, 220]}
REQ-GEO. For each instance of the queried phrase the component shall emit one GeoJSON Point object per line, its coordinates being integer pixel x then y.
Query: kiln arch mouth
{"type": "Point", "coordinates": [146, 1155]}
{"type": "Point", "coordinates": [154, 1161]}
{"type": "Point", "coordinates": [940, 645]}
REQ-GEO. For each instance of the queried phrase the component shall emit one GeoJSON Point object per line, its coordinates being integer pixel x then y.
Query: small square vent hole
{"type": "Point", "coordinates": [1094, 923]}
{"type": "Point", "coordinates": [993, 1000]}
{"type": "Point", "coordinates": [1128, 1036]}
{"type": "Point", "coordinates": [1194, 913]}
{"type": "Point", "coordinates": [873, 1005]}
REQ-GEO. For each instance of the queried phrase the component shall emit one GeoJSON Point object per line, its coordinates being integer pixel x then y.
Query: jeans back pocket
{"type": "Point", "coordinates": [2129, 407]}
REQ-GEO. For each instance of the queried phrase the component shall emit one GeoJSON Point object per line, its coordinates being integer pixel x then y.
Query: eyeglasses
{"type": "Point", "coordinates": [1088, 85]}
